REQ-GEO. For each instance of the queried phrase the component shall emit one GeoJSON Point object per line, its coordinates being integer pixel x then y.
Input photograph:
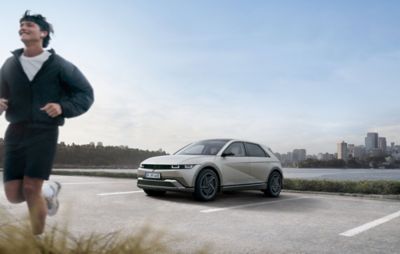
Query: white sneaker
{"type": "Point", "coordinates": [50, 192]}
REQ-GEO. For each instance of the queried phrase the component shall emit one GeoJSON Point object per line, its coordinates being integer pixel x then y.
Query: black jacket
{"type": "Point", "coordinates": [58, 81]}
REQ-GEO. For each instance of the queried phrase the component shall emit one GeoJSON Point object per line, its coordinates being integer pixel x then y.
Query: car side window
{"type": "Point", "coordinates": [254, 150]}
{"type": "Point", "coordinates": [236, 148]}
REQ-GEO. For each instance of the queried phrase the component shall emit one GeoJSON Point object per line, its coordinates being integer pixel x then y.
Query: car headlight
{"type": "Point", "coordinates": [183, 166]}
{"type": "Point", "coordinates": [189, 166]}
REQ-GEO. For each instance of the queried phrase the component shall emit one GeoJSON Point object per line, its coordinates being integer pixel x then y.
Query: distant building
{"type": "Point", "coordinates": [359, 152]}
{"type": "Point", "coordinates": [382, 144]}
{"type": "Point", "coordinates": [325, 156]}
{"type": "Point", "coordinates": [299, 155]}
{"type": "Point", "coordinates": [371, 141]}
{"type": "Point", "coordinates": [350, 150]}
{"type": "Point", "coordinates": [376, 152]}
{"type": "Point", "coordinates": [392, 149]}
{"type": "Point", "coordinates": [342, 152]}
{"type": "Point", "coordinates": [289, 158]}
{"type": "Point", "coordinates": [284, 158]}
{"type": "Point", "coordinates": [312, 157]}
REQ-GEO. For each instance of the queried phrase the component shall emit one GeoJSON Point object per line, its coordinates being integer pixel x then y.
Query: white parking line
{"type": "Point", "coordinates": [74, 183]}
{"type": "Point", "coordinates": [119, 193]}
{"type": "Point", "coordinates": [369, 225]}
{"type": "Point", "coordinates": [248, 205]}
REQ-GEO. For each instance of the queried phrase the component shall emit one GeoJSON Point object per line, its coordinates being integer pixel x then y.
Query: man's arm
{"type": "Point", "coordinates": [79, 93]}
{"type": "Point", "coordinates": [3, 93]}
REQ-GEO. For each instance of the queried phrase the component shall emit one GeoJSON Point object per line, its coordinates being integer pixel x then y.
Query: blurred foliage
{"type": "Point", "coordinates": [362, 187]}
{"type": "Point", "coordinates": [313, 163]}
{"type": "Point", "coordinates": [368, 162]}
{"type": "Point", "coordinates": [97, 156]}
{"type": "Point", "coordinates": [16, 238]}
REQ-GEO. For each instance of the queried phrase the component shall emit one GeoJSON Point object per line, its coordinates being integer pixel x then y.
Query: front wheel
{"type": "Point", "coordinates": [206, 187]}
{"type": "Point", "coordinates": [274, 185]}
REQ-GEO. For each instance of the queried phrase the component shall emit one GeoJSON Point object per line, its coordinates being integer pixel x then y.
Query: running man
{"type": "Point", "coordinates": [38, 89]}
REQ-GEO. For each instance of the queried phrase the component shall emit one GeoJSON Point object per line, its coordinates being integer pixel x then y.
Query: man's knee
{"type": "Point", "coordinates": [13, 191]}
{"type": "Point", "coordinates": [15, 198]}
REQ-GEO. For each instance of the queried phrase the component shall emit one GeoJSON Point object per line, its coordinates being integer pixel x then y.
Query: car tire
{"type": "Point", "coordinates": [154, 193]}
{"type": "Point", "coordinates": [206, 187]}
{"type": "Point", "coordinates": [274, 185]}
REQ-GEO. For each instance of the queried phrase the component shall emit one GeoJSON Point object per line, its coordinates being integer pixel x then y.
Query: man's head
{"type": "Point", "coordinates": [35, 27]}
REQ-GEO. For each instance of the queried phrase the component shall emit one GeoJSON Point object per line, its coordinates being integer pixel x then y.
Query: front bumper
{"type": "Point", "coordinates": [173, 180]}
{"type": "Point", "coordinates": [167, 184]}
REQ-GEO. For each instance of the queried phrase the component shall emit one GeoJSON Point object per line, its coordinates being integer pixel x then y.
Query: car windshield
{"type": "Point", "coordinates": [206, 147]}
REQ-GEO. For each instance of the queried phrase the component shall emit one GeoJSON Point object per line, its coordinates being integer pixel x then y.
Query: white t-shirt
{"type": "Point", "coordinates": [32, 65]}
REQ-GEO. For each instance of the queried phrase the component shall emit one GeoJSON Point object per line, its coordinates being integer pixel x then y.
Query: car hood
{"type": "Point", "coordinates": [178, 159]}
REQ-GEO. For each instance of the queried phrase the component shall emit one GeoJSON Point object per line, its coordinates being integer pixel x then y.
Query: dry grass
{"type": "Point", "coordinates": [16, 237]}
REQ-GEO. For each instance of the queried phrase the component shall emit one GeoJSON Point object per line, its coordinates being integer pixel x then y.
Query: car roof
{"type": "Point", "coordinates": [218, 139]}
{"type": "Point", "coordinates": [232, 140]}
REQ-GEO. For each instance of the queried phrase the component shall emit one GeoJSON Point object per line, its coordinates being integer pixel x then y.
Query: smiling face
{"type": "Point", "coordinates": [30, 33]}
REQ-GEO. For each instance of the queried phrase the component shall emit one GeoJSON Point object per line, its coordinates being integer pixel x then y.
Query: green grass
{"type": "Point", "coordinates": [360, 187]}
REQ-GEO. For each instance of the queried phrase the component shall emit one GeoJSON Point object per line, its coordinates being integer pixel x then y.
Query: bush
{"type": "Point", "coordinates": [362, 187]}
{"type": "Point", "coordinates": [95, 173]}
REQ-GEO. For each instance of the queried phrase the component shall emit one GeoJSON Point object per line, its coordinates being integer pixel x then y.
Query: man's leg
{"type": "Point", "coordinates": [40, 148]}
{"type": "Point", "coordinates": [32, 189]}
{"type": "Point", "coordinates": [14, 192]}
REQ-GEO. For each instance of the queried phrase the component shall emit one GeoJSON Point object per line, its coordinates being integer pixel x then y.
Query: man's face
{"type": "Point", "coordinates": [29, 32]}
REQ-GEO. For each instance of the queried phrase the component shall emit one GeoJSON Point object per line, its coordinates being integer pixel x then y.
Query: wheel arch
{"type": "Point", "coordinates": [276, 169]}
{"type": "Point", "coordinates": [213, 168]}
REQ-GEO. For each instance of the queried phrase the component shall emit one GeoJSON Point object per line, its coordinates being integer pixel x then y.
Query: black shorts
{"type": "Point", "coordinates": [29, 150]}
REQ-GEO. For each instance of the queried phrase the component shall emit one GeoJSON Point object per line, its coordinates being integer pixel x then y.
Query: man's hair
{"type": "Point", "coordinates": [42, 23]}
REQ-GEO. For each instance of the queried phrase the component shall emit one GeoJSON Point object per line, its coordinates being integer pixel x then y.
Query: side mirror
{"type": "Point", "coordinates": [227, 154]}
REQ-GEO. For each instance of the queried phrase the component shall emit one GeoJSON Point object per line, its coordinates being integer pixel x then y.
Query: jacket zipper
{"type": "Point", "coordinates": [16, 57]}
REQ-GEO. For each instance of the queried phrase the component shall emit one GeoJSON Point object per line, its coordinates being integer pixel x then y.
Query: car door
{"type": "Point", "coordinates": [260, 162]}
{"type": "Point", "coordinates": [235, 166]}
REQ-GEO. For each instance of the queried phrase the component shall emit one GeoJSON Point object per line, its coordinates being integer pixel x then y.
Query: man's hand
{"type": "Point", "coordinates": [3, 105]}
{"type": "Point", "coordinates": [52, 109]}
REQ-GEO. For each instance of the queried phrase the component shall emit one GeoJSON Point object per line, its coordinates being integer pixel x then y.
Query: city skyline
{"type": "Point", "coordinates": [379, 143]}
{"type": "Point", "coordinates": [285, 74]}
{"type": "Point", "coordinates": [373, 153]}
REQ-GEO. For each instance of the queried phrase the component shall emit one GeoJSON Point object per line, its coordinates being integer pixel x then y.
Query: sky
{"type": "Point", "coordinates": [288, 74]}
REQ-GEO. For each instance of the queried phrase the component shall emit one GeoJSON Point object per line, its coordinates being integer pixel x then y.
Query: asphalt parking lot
{"type": "Point", "coordinates": [240, 222]}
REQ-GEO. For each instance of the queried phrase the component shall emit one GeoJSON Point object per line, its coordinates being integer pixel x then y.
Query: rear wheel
{"type": "Point", "coordinates": [154, 192]}
{"type": "Point", "coordinates": [206, 187]}
{"type": "Point", "coordinates": [274, 185]}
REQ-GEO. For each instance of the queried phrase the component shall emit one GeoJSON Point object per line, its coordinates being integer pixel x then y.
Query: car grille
{"type": "Point", "coordinates": [156, 166]}
{"type": "Point", "coordinates": [155, 183]}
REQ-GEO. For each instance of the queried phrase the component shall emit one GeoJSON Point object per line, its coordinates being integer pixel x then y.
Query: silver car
{"type": "Point", "coordinates": [210, 166]}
